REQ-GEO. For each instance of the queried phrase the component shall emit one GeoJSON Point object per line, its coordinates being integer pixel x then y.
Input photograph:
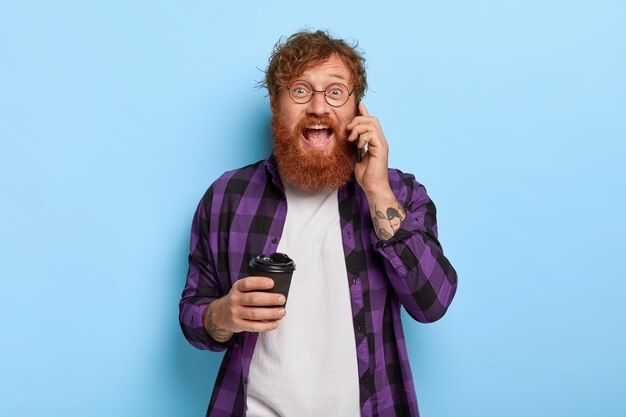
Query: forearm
{"type": "Point", "coordinates": [387, 214]}
{"type": "Point", "coordinates": [192, 324]}
{"type": "Point", "coordinates": [199, 294]}
{"type": "Point", "coordinates": [421, 276]}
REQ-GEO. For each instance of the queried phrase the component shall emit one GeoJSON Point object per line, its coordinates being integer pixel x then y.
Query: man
{"type": "Point", "coordinates": [363, 238]}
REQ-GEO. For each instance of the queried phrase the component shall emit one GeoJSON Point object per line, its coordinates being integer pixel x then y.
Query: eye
{"type": "Point", "coordinates": [300, 89]}
{"type": "Point", "coordinates": [336, 91]}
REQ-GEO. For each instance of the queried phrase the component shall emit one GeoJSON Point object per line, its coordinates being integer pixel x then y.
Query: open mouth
{"type": "Point", "coordinates": [317, 136]}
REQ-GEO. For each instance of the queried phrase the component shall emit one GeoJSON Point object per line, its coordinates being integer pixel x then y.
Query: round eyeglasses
{"type": "Point", "coordinates": [302, 91]}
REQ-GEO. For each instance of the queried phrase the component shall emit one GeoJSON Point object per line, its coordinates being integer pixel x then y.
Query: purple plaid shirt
{"type": "Point", "coordinates": [242, 215]}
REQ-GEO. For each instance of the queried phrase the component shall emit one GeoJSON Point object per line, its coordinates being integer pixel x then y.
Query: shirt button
{"type": "Point", "coordinates": [359, 328]}
{"type": "Point", "coordinates": [275, 240]}
{"type": "Point", "coordinates": [349, 235]}
{"type": "Point", "coordinates": [354, 280]}
{"type": "Point", "coordinates": [244, 380]}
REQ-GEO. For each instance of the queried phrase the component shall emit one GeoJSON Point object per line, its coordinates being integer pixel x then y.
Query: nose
{"type": "Point", "coordinates": [318, 105]}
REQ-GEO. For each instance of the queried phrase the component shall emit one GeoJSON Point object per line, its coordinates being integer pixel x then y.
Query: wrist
{"type": "Point", "coordinates": [211, 326]}
{"type": "Point", "coordinates": [379, 193]}
{"type": "Point", "coordinates": [210, 319]}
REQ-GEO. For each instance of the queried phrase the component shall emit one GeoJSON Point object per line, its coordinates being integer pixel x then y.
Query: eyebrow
{"type": "Point", "coordinates": [341, 77]}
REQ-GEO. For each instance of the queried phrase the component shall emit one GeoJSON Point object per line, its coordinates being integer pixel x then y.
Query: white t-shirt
{"type": "Point", "coordinates": [308, 366]}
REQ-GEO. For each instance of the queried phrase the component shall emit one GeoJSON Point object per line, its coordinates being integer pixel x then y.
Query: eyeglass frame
{"type": "Point", "coordinates": [313, 91]}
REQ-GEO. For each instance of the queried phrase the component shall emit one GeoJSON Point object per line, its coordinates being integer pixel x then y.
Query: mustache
{"type": "Point", "coordinates": [310, 120]}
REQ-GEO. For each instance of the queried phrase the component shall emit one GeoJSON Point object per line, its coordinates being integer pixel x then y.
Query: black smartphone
{"type": "Point", "coordinates": [359, 155]}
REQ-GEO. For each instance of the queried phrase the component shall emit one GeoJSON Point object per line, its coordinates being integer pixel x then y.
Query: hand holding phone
{"type": "Point", "coordinates": [370, 168]}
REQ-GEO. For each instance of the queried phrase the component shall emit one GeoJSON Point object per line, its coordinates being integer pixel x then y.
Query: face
{"type": "Point", "coordinates": [395, 223]}
{"type": "Point", "coordinates": [310, 139]}
{"type": "Point", "coordinates": [332, 71]}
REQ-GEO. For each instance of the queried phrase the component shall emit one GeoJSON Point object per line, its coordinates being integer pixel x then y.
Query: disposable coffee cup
{"type": "Point", "coordinates": [277, 266]}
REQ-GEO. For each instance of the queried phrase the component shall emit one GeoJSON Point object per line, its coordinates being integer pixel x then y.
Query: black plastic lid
{"type": "Point", "coordinates": [275, 262]}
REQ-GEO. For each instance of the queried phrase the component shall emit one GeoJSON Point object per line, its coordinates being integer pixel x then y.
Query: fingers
{"type": "Point", "coordinates": [364, 123]}
{"type": "Point", "coordinates": [260, 299]}
{"type": "Point", "coordinates": [361, 117]}
{"type": "Point", "coordinates": [360, 144]}
{"type": "Point", "coordinates": [362, 110]}
{"type": "Point", "coordinates": [261, 314]}
{"type": "Point", "coordinates": [358, 129]}
{"type": "Point", "coordinates": [250, 308]}
{"type": "Point", "coordinates": [259, 326]}
{"type": "Point", "coordinates": [367, 133]}
{"type": "Point", "coordinates": [256, 319]}
{"type": "Point", "coordinates": [254, 284]}
{"type": "Point", "coordinates": [250, 291]}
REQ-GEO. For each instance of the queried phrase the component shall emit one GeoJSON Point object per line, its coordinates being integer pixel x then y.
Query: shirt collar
{"type": "Point", "coordinates": [271, 168]}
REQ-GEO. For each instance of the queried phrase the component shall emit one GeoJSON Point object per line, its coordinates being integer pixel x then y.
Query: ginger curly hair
{"type": "Point", "coordinates": [303, 50]}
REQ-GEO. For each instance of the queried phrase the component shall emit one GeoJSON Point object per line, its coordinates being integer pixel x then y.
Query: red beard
{"type": "Point", "coordinates": [312, 170]}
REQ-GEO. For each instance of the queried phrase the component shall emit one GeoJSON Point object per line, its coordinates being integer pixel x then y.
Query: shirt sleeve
{"type": "Point", "coordinates": [421, 276]}
{"type": "Point", "coordinates": [202, 286]}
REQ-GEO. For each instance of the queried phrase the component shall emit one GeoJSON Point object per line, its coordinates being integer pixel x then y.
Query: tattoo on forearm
{"type": "Point", "coordinates": [387, 222]}
{"type": "Point", "coordinates": [217, 333]}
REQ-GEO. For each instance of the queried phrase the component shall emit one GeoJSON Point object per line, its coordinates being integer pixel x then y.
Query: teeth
{"type": "Point", "coordinates": [317, 127]}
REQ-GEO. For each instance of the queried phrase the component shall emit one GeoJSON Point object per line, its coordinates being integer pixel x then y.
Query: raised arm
{"type": "Point", "coordinates": [405, 226]}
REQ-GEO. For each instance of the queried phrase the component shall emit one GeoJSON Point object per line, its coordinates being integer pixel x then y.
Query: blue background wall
{"type": "Point", "coordinates": [116, 116]}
